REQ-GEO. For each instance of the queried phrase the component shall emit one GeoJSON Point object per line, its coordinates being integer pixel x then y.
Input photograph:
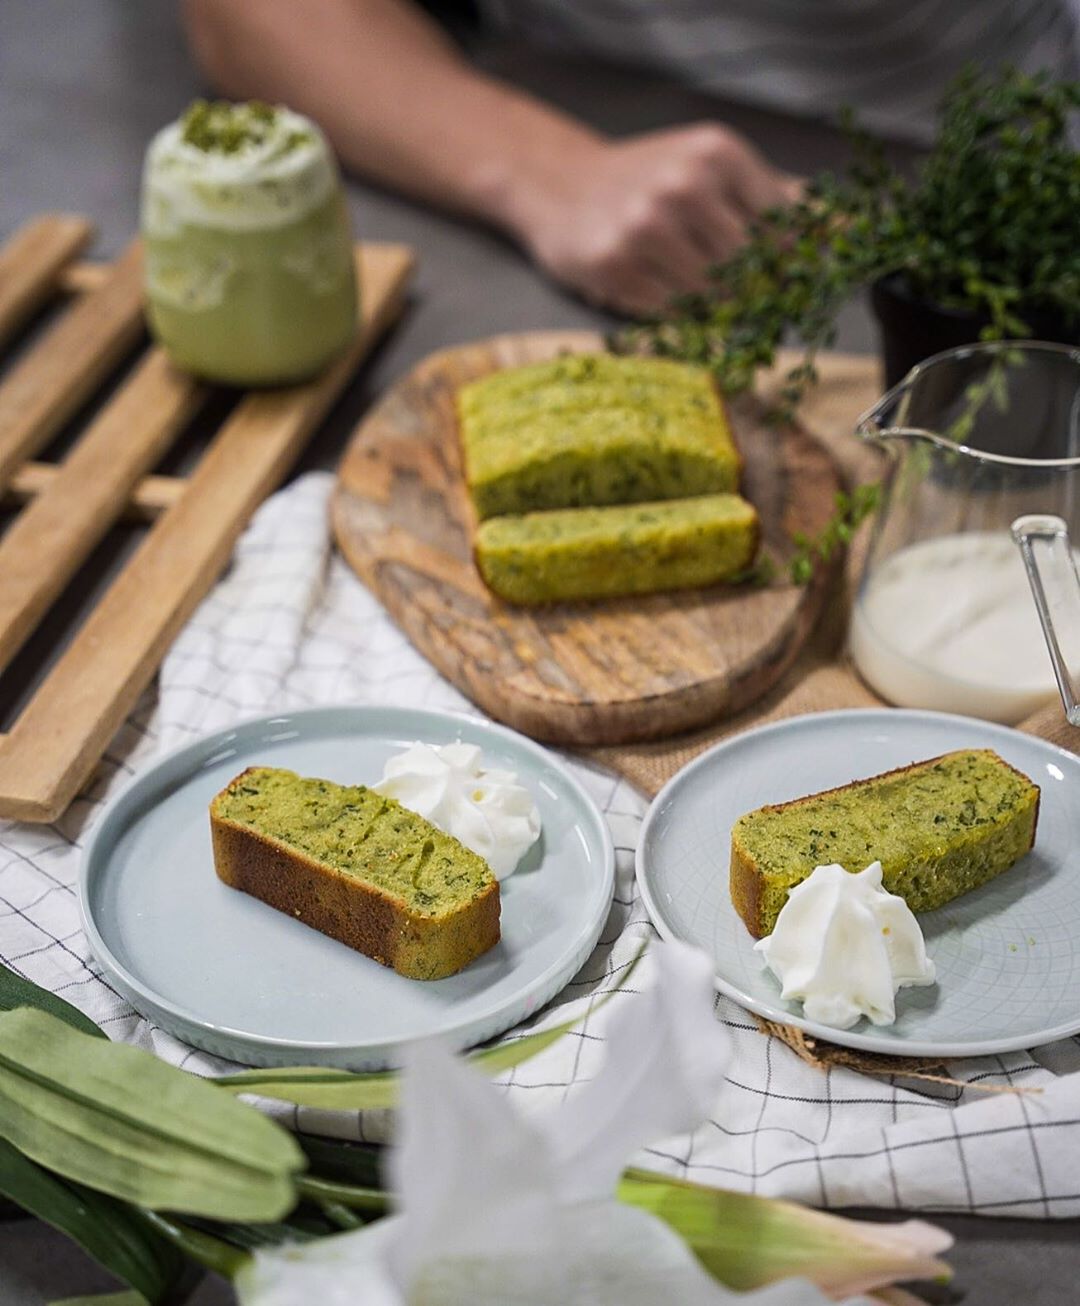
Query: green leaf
{"type": "Point", "coordinates": [850, 512]}
{"type": "Point", "coordinates": [344, 1090]}
{"type": "Point", "coordinates": [326, 1193]}
{"type": "Point", "coordinates": [332, 1090]}
{"type": "Point", "coordinates": [104, 1228]}
{"type": "Point", "coordinates": [504, 1056]}
{"type": "Point", "coordinates": [344, 1161]}
{"type": "Point", "coordinates": [104, 1299]}
{"type": "Point", "coordinates": [18, 992]}
{"type": "Point", "coordinates": [746, 1241]}
{"type": "Point", "coordinates": [198, 1245]}
{"type": "Point", "coordinates": [120, 1121]}
{"type": "Point", "coordinates": [250, 1237]}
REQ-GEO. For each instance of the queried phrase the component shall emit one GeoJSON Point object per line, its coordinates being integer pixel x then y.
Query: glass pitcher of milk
{"type": "Point", "coordinates": [980, 437]}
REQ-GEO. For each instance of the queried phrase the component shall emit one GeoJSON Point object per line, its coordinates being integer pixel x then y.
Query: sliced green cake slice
{"type": "Point", "coordinates": [356, 866]}
{"type": "Point", "coordinates": [637, 548]}
{"type": "Point", "coordinates": [571, 372]}
{"type": "Point", "coordinates": [939, 828]}
{"type": "Point", "coordinates": [592, 431]}
{"type": "Point", "coordinates": [690, 403]}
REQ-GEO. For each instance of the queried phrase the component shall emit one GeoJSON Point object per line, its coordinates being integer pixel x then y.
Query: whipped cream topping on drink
{"type": "Point", "coordinates": [235, 166]}
{"type": "Point", "coordinates": [486, 809]}
{"type": "Point", "coordinates": [843, 946]}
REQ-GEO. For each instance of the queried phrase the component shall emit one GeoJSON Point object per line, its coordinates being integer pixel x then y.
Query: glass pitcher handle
{"type": "Point", "coordinates": [1055, 586]}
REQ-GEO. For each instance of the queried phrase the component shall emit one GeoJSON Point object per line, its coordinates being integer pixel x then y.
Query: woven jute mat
{"type": "Point", "coordinates": [822, 678]}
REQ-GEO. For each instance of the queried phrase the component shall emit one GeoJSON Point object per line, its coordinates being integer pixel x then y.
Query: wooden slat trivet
{"type": "Point", "coordinates": [31, 263]}
{"type": "Point", "coordinates": [49, 540]}
{"type": "Point", "coordinates": [78, 278]}
{"type": "Point", "coordinates": [61, 733]}
{"type": "Point", "coordinates": [148, 500]}
{"type": "Point", "coordinates": [64, 369]}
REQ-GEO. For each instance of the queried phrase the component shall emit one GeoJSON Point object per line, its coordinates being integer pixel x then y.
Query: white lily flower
{"type": "Point", "coordinates": [495, 1211]}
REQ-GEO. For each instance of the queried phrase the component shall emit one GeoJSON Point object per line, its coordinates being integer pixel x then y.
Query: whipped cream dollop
{"type": "Point", "coordinates": [276, 177]}
{"type": "Point", "coordinates": [844, 946]}
{"type": "Point", "coordinates": [487, 810]}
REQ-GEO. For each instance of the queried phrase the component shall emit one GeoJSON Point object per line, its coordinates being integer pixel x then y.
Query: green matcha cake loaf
{"type": "Point", "coordinates": [637, 548]}
{"type": "Point", "coordinates": [592, 430]}
{"type": "Point", "coordinates": [573, 373]}
{"type": "Point", "coordinates": [694, 405]}
{"type": "Point", "coordinates": [939, 828]}
{"type": "Point", "coordinates": [357, 866]}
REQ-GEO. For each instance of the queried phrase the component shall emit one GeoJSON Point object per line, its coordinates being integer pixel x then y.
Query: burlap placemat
{"type": "Point", "coordinates": [821, 678]}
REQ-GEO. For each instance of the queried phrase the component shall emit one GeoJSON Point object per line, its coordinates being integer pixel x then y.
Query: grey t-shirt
{"type": "Point", "coordinates": [889, 59]}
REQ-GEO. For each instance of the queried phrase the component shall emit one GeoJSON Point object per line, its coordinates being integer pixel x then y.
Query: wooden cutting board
{"type": "Point", "coordinates": [586, 674]}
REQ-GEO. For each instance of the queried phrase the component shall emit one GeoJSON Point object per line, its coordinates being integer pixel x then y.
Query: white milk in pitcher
{"type": "Point", "coordinates": [950, 624]}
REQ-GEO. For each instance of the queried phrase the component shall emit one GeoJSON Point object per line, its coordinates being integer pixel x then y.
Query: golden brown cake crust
{"type": "Point", "coordinates": [747, 882]}
{"type": "Point", "coordinates": [349, 909]}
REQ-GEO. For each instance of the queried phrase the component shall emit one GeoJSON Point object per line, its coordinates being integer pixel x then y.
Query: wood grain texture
{"type": "Point", "coordinates": [78, 278]}
{"type": "Point", "coordinates": [62, 370]}
{"type": "Point", "coordinates": [149, 497]}
{"type": "Point", "coordinates": [60, 735]}
{"type": "Point", "coordinates": [47, 542]}
{"type": "Point", "coordinates": [32, 262]}
{"type": "Point", "coordinates": [587, 673]}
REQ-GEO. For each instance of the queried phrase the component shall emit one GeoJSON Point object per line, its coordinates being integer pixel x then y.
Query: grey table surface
{"type": "Point", "coordinates": [83, 84]}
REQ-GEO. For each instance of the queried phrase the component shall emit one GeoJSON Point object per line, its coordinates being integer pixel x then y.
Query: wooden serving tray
{"type": "Point", "coordinates": [61, 733]}
{"type": "Point", "coordinates": [586, 674]}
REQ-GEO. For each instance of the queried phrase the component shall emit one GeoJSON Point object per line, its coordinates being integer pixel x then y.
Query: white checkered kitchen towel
{"type": "Point", "coordinates": [290, 626]}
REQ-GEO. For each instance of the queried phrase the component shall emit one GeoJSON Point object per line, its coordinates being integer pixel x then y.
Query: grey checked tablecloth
{"type": "Point", "coordinates": [290, 626]}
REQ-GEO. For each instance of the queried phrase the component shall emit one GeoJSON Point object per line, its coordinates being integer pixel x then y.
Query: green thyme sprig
{"type": "Point", "coordinates": [851, 510]}
{"type": "Point", "coordinates": [990, 224]}
{"type": "Point", "coordinates": [761, 572]}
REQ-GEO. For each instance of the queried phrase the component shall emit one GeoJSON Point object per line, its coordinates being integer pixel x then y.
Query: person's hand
{"type": "Point", "coordinates": [631, 223]}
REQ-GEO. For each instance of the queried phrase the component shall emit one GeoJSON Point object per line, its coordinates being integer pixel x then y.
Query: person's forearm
{"type": "Point", "coordinates": [626, 222]}
{"type": "Point", "coordinates": [397, 100]}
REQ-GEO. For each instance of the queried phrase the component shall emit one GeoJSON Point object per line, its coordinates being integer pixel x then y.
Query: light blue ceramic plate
{"type": "Point", "coordinates": [229, 974]}
{"type": "Point", "coordinates": [1007, 955]}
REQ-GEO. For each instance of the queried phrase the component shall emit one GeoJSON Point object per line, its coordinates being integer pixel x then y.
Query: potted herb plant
{"type": "Point", "coordinates": [982, 243]}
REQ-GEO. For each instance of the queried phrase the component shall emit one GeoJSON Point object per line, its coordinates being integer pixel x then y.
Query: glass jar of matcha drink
{"type": "Point", "coordinates": [250, 275]}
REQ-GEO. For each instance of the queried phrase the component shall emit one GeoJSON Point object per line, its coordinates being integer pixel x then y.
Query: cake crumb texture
{"type": "Point", "coordinates": [588, 553]}
{"type": "Point", "coordinates": [939, 828]}
{"type": "Point", "coordinates": [356, 866]}
{"type": "Point", "coordinates": [593, 429]}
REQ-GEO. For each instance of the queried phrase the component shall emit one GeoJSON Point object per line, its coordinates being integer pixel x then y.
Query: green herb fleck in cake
{"type": "Point", "coordinates": [591, 430]}
{"type": "Point", "coordinates": [939, 828]}
{"type": "Point", "coordinates": [587, 553]}
{"type": "Point", "coordinates": [361, 833]}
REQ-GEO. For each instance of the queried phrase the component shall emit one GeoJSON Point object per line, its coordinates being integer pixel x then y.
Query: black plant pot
{"type": "Point", "coordinates": [913, 328]}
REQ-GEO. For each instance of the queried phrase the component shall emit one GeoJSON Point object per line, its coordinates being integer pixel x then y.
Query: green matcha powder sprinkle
{"type": "Point", "coordinates": [223, 128]}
